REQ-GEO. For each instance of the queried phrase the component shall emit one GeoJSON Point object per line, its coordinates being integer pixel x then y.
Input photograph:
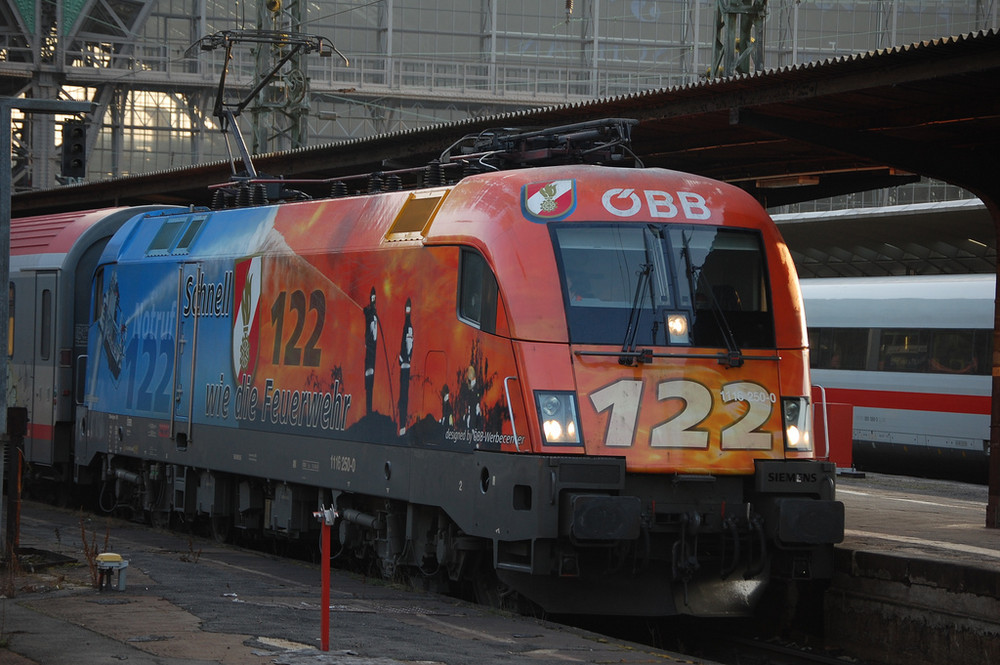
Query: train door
{"type": "Point", "coordinates": [39, 443]}
{"type": "Point", "coordinates": [189, 278]}
{"type": "Point", "coordinates": [21, 379]}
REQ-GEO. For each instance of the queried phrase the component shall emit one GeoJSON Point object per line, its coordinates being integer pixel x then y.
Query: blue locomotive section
{"type": "Point", "coordinates": [191, 292]}
{"type": "Point", "coordinates": [158, 299]}
{"type": "Point", "coordinates": [136, 364]}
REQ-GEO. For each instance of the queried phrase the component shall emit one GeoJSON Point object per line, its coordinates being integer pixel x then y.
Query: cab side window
{"type": "Point", "coordinates": [477, 292]}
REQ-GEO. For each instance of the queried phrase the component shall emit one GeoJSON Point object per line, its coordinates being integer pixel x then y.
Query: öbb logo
{"type": "Point", "coordinates": [628, 202]}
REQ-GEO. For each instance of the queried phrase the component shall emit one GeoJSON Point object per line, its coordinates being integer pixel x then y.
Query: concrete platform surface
{"type": "Point", "coordinates": [188, 600]}
{"type": "Point", "coordinates": [919, 518]}
{"type": "Point", "coordinates": [917, 579]}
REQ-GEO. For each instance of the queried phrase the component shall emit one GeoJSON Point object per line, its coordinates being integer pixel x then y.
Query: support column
{"type": "Point", "coordinates": [28, 106]}
{"type": "Point", "coordinates": [993, 501]}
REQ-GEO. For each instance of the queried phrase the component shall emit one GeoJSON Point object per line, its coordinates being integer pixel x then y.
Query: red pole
{"type": "Point", "coordinates": [325, 614]}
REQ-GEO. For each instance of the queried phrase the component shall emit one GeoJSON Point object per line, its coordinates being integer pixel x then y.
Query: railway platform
{"type": "Point", "coordinates": [917, 581]}
{"type": "Point", "coordinates": [189, 601]}
{"type": "Point", "coordinates": [918, 575]}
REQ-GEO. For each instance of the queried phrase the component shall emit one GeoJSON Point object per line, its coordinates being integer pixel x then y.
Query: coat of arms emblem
{"type": "Point", "coordinates": [246, 328]}
{"type": "Point", "coordinates": [548, 201]}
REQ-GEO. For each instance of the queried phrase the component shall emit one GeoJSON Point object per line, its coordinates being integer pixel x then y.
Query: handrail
{"type": "Point", "coordinates": [80, 391]}
{"type": "Point", "coordinates": [826, 421]}
{"type": "Point", "coordinates": [178, 327]}
{"type": "Point", "coordinates": [196, 312]}
{"type": "Point", "coordinates": [510, 410]}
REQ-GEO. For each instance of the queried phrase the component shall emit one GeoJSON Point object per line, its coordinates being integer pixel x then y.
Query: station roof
{"type": "Point", "coordinates": [920, 239]}
{"type": "Point", "coordinates": [855, 123]}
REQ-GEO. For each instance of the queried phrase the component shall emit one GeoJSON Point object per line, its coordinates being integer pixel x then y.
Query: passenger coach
{"type": "Point", "coordinates": [912, 356]}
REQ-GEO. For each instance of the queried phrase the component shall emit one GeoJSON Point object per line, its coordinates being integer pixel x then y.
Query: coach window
{"type": "Point", "coordinates": [10, 320]}
{"type": "Point", "coordinates": [477, 292]}
{"type": "Point", "coordinates": [904, 350]}
{"type": "Point", "coordinates": [838, 348]}
{"type": "Point", "coordinates": [960, 352]}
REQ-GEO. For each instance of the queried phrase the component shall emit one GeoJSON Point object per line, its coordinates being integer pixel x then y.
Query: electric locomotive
{"type": "Point", "coordinates": [589, 383]}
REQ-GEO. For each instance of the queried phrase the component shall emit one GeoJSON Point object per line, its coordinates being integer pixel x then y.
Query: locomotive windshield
{"type": "Point", "coordinates": [713, 280]}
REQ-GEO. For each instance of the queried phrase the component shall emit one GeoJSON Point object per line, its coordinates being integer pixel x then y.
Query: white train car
{"type": "Point", "coordinates": [912, 355]}
{"type": "Point", "coordinates": [52, 260]}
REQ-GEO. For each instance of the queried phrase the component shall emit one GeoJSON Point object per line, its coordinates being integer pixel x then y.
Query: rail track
{"type": "Point", "coordinates": [749, 651]}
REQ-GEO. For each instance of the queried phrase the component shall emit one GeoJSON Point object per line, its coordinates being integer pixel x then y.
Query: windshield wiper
{"type": "Point", "coordinates": [733, 356]}
{"type": "Point", "coordinates": [629, 355]}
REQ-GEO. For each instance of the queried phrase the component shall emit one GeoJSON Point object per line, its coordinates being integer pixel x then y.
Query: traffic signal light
{"type": "Point", "coordinates": [74, 149]}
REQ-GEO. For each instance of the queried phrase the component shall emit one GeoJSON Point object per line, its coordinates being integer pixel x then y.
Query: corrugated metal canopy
{"type": "Point", "coordinates": [924, 239]}
{"type": "Point", "coordinates": [805, 132]}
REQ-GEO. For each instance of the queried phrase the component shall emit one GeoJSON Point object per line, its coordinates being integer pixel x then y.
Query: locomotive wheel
{"type": "Point", "coordinates": [160, 519]}
{"type": "Point", "coordinates": [221, 527]}
{"type": "Point", "coordinates": [64, 495]}
{"type": "Point", "coordinates": [490, 591]}
{"type": "Point", "coordinates": [487, 589]}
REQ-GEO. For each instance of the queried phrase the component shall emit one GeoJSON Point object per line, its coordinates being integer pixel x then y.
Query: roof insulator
{"type": "Point", "coordinates": [469, 168]}
{"type": "Point", "coordinates": [218, 199]}
{"type": "Point", "coordinates": [259, 195]}
{"type": "Point", "coordinates": [434, 174]}
{"type": "Point", "coordinates": [243, 196]}
{"type": "Point", "coordinates": [338, 189]}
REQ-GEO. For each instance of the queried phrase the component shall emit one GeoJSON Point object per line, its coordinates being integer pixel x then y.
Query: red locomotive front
{"type": "Point", "coordinates": [654, 315]}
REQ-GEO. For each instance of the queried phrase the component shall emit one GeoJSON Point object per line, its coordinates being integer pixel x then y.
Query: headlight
{"type": "Point", "coordinates": [677, 326]}
{"type": "Point", "coordinates": [795, 411]}
{"type": "Point", "coordinates": [558, 414]}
